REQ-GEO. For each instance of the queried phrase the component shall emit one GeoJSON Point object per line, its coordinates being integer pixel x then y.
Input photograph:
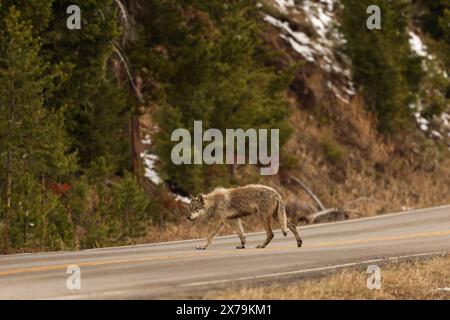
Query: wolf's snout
{"type": "Point", "coordinates": [190, 217]}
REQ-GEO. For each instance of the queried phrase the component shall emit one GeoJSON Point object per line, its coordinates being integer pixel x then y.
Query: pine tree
{"type": "Point", "coordinates": [97, 107]}
{"type": "Point", "coordinates": [35, 12]}
{"type": "Point", "coordinates": [131, 204]}
{"type": "Point", "coordinates": [382, 60]}
{"type": "Point", "coordinates": [32, 137]}
{"type": "Point", "coordinates": [434, 19]}
{"type": "Point", "coordinates": [208, 58]}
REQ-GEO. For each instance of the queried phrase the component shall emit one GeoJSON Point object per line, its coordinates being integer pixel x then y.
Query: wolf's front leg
{"type": "Point", "coordinates": [213, 231]}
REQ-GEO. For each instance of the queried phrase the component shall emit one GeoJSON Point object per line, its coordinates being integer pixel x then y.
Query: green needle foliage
{"type": "Point", "coordinates": [211, 65]}
{"type": "Point", "coordinates": [96, 110]}
{"type": "Point", "coordinates": [382, 60]}
{"type": "Point", "coordinates": [33, 142]}
{"type": "Point", "coordinates": [52, 181]}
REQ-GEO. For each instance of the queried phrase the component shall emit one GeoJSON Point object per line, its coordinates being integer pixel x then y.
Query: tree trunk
{"type": "Point", "coordinates": [136, 146]}
{"type": "Point", "coordinates": [8, 203]}
{"type": "Point", "coordinates": [8, 191]}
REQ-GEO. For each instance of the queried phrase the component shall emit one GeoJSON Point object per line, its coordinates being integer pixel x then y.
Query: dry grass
{"type": "Point", "coordinates": [185, 230]}
{"type": "Point", "coordinates": [410, 190]}
{"type": "Point", "coordinates": [407, 175]}
{"type": "Point", "coordinates": [414, 280]}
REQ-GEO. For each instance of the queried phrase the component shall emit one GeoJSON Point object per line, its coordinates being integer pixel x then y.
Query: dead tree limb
{"type": "Point", "coordinates": [323, 211]}
{"type": "Point", "coordinates": [310, 193]}
{"type": "Point", "coordinates": [128, 72]}
{"type": "Point", "coordinates": [313, 216]}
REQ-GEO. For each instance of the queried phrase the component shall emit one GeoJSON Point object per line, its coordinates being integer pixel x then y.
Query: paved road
{"type": "Point", "coordinates": [172, 269]}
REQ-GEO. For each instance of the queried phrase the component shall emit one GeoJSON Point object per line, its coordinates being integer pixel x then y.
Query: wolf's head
{"type": "Point", "coordinates": [196, 208]}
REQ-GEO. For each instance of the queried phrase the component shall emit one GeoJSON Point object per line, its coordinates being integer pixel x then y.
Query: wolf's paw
{"type": "Point", "coordinates": [299, 243]}
{"type": "Point", "coordinates": [200, 247]}
{"type": "Point", "coordinates": [242, 246]}
{"type": "Point", "coordinates": [260, 246]}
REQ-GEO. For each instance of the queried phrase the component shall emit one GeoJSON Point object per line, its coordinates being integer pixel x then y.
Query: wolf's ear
{"type": "Point", "coordinates": [191, 197]}
{"type": "Point", "coordinates": [201, 199]}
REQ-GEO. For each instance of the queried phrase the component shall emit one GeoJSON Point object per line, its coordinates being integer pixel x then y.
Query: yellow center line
{"type": "Point", "coordinates": [223, 252]}
{"type": "Point", "coordinates": [390, 238]}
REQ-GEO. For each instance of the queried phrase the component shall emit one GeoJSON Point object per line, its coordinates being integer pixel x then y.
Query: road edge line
{"type": "Point", "coordinates": [312, 270]}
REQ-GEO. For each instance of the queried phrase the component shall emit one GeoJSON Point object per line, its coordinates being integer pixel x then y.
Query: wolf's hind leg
{"type": "Point", "coordinates": [269, 233]}
{"type": "Point", "coordinates": [293, 228]}
{"type": "Point", "coordinates": [213, 231]}
{"type": "Point", "coordinates": [237, 224]}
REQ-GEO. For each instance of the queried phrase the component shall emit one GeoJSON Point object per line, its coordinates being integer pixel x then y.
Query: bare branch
{"type": "Point", "coordinates": [127, 70]}
{"type": "Point", "coordinates": [310, 193]}
{"type": "Point", "coordinates": [343, 210]}
{"type": "Point", "coordinates": [125, 18]}
{"type": "Point", "coordinates": [312, 217]}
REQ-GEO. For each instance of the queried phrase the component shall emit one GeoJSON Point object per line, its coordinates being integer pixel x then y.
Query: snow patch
{"type": "Point", "coordinates": [150, 161]}
{"type": "Point", "coordinates": [150, 168]}
{"type": "Point", "coordinates": [298, 36]}
{"type": "Point", "coordinates": [445, 119]}
{"type": "Point", "coordinates": [431, 130]}
{"type": "Point", "coordinates": [420, 120]}
{"type": "Point", "coordinates": [417, 44]}
{"type": "Point", "coordinates": [429, 65]}
{"type": "Point", "coordinates": [305, 51]}
{"type": "Point", "coordinates": [436, 134]}
{"type": "Point", "coordinates": [284, 4]}
{"type": "Point", "coordinates": [147, 140]}
{"type": "Point", "coordinates": [181, 198]}
{"type": "Point", "coordinates": [319, 48]}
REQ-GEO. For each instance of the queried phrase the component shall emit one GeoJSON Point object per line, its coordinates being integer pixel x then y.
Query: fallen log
{"type": "Point", "coordinates": [342, 211]}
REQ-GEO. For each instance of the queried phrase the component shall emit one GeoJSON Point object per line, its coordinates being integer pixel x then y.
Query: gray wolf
{"type": "Point", "coordinates": [229, 205]}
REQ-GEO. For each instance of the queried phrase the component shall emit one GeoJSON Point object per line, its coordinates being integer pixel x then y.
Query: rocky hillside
{"type": "Point", "coordinates": [342, 155]}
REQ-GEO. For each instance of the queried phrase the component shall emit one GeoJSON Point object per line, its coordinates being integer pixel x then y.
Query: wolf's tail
{"type": "Point", "coordinates": [282, 217]}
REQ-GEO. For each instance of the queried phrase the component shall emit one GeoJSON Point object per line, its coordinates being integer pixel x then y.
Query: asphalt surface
{"type": "Point", "coordinates": [176, 269]}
